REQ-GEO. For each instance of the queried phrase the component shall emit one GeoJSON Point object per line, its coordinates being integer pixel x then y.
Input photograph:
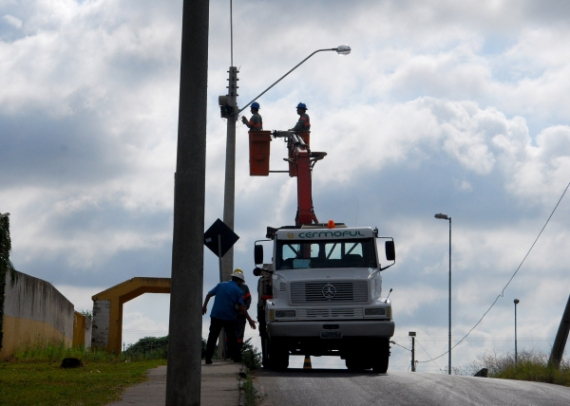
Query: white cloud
{"type": "Point", "coordinates": [13, 21]}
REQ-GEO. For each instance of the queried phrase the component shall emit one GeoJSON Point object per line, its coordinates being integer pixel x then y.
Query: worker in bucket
{"type": "Point", "coordinates": [255, 123]}
{"type": "Point", "coordinates": [228, 295]}
{"type": "Point", "coordinates": [304, 123]}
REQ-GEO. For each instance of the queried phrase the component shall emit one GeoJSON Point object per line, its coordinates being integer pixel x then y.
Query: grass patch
{"type": "Point", "coordinates": [252, 396]}
{"type": "Point", "coordinates": [34, 377]}
{"type": "Point", "coordinates": [530, 366]}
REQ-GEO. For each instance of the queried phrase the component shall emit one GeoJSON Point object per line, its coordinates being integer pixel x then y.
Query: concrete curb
{"type": "Point", "coordinates": [241, 385]}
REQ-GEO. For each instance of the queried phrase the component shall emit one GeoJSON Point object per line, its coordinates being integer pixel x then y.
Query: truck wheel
{"type": "Point", "coordinates": [381, 357]}
{"type": "Point", "coordinates": [354, 364]}
{"type": "Point", "coordinates": [278, 355]}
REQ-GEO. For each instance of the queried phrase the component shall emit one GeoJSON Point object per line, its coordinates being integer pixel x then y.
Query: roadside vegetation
{"type": "Point", "coordinates": [34, 376]}
{"type": "Point", "coordinates": [531, 365]}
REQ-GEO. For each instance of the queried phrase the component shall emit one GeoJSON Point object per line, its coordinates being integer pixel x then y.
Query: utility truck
{"type": "Point", "coordinates": [321, 292]}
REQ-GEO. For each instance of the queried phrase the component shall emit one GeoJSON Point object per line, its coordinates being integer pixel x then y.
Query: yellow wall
{"type": "Point", "coordinates": [79, 330]}
{"type": "Point", "coordinates": [28, 333]}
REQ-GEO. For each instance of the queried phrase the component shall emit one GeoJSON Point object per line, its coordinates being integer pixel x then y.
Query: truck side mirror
{"type": "Point", "coordinates": [390, 251]}
{"type": "Point", "coordinates": [258, 254]}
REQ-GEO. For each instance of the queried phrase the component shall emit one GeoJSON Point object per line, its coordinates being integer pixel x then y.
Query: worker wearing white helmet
{"type": "Point", "coordinates": [240, 317]}
{"type": "Point", "coordinates": [223, 315]}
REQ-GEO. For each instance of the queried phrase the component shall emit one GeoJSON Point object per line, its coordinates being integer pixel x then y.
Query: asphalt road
{"type": "Point", "coordinates": [325, 387]}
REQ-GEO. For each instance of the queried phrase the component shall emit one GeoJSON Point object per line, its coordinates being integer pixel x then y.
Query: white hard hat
{"type": "Point", "coordinates": [238, 273]}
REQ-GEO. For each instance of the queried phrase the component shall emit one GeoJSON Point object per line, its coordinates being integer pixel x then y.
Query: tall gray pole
{"type": "Point", "coordinates": [230, 175]}
{"type": "Point", "coordinates": [227, 261]}
{"type": "Point", "coordinates": [449, 341]}
{"type": "Point", "coordinates": [185, 327]}
{"type": "Point", "coordinates": [442, 216]}
{"type": "Point", "coordinates": [516, 349]}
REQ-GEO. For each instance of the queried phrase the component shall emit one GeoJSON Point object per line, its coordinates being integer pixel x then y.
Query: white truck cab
{"type": "Point", "coordinates": [321, 295]}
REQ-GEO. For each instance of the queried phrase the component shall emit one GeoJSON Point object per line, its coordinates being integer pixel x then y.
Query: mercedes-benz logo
{"type": "Point", "coordinates": [329, 291]}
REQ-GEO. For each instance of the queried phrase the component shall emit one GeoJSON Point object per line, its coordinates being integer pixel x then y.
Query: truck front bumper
{"type": "Point", "coordinates": [347, 328]}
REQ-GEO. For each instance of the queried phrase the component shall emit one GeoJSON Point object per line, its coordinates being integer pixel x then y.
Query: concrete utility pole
{"type": "Point", "coordinates": [183, 376]}
{"type": "Point", "coordinates": [413, 335]}
{"type": "Point", "coordinates": [230, 176]}
{"type": "Point", "coordinates": [561, 338]}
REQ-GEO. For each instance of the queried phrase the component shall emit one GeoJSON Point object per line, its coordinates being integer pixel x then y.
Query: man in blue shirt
{"type": "Point", "coordinates": [223, 315]}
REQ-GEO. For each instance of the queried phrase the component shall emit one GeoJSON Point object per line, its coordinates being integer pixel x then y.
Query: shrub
{"type": "Point", "coordinates": [148, 348]}
{"type": "Point", "coordinates": [531, 365]}
{"type": "Point", "coordinates": [250, 355]}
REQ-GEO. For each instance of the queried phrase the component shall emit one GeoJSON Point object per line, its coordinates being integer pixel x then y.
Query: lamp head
{"type": "Point", "coordinates": [343, 50]}
{"type": "Point", "coordinates": [441, 216]}
{"type": "Point", "coordinates": [516, 301]}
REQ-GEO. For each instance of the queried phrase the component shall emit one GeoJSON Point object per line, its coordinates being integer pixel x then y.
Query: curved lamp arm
{"type": "Point", "coordinates": [341, 50]}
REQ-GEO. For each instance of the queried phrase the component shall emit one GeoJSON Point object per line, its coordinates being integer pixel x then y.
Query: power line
{"type": "Point", "coordinates": [432, 360]}
{"type": "Point", "coordinates": [502, 294]}
{"type": "Point", "coordinates": [393, 342]}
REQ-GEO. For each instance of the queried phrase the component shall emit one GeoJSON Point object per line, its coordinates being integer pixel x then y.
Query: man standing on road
{"type": "Point", "coordinates": [240, 317]}
{"type": "Point", "coordinates": [223, 315]}
{"type": "Point", "coordinates": [255, 123]}
{"type": "Point", "coordinates": [304, 123]}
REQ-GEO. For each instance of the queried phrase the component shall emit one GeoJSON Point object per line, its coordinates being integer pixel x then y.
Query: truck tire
{"type": "Point", "coordinates": [381, 356]}
{"type": "Point", "coordinates": [278, 355]}
{"type": "Point", "coordinates": [355, 364]}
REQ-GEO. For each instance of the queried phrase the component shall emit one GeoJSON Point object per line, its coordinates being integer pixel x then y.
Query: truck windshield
{"type": "Point", "coordinates": [326, 254]}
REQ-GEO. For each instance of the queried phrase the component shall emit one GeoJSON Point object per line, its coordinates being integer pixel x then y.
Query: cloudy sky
{"type": "Point", "coordinates": [442, 106]}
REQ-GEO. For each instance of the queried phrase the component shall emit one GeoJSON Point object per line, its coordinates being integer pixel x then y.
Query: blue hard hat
{"type": "Point", "coordinates": [255, 105]}
{"type": "Point", "coordinates": [302, 106]}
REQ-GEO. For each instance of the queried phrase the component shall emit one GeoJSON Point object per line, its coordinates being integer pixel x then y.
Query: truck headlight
{"type": "Point", "coordinates": [285, 313]}
{"type": "Point", "coordinates": [271, 315]}
{"type": "Point", "coordinates": [375, 311]}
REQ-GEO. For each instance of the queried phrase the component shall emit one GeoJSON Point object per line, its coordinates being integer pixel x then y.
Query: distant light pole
{"type": "Point", "coordinates": [516, 352]}
{"type": "Point", "coordinates": [446, 217]}
{"type": "Point", "coordinates": [229, 110]}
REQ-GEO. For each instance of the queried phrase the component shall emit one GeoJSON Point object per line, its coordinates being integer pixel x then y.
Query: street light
{"type": "Point", "coordinates": [341, 50]}
{"type": "Point", "coordinates": [229, 110]}
{"type": "Point", "coordinates": [446, 217]}
{"type": "Point", "coordinates": [516, 352]}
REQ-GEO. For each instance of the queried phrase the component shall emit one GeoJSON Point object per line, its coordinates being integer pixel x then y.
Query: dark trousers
{"type": "Point", "coordinates": [230, 330]}
{"type": "Point", "coordinates": [240, 330]}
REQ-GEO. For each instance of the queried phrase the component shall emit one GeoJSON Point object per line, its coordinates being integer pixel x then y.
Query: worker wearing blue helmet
{"type": "Point", "coordinates": [304, 123]}
{"type": "Point", "coordinates": [255, 123]}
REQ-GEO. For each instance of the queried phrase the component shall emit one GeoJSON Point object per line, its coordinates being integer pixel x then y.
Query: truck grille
{"type": "Point", "coordinates": [330, 313]}
{"type": "Point", "coordinates": [336, 292]}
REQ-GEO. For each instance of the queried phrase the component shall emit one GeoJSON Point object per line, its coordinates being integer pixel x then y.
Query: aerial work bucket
{"type": "Point", "coordinates": [259, 153]}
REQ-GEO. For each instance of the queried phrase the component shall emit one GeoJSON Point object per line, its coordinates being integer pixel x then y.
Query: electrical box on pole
{"type": "Point", "coordinates": [228, 103]}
